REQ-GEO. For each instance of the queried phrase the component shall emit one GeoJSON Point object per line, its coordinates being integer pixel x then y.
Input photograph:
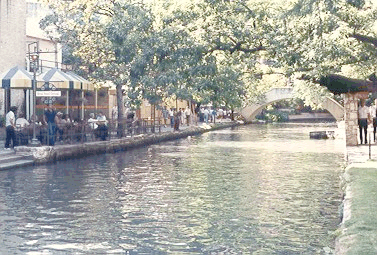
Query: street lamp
{"type": "Point", "coordinates": [34, 58]}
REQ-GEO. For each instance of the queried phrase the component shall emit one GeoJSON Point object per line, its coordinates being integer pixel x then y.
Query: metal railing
{"type": "Point", "coordinates": [82, 132]}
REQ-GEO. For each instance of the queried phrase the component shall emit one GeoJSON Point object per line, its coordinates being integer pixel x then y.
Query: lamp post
{"type": "Point", "coordinates": [34, 58]}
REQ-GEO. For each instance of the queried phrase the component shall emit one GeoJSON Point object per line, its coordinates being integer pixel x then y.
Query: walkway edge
{"type": "Point", "coordinates": [45, 154]}
{"type": "Point", "coordinates": [358, 231]}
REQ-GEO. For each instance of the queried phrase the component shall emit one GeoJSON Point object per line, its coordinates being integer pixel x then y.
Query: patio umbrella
{"type": "Point", "coordinates": [16, 77]}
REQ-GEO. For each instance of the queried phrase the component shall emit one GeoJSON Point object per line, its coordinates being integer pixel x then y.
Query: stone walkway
{"type": "Point", "coordinates": [361, 153]}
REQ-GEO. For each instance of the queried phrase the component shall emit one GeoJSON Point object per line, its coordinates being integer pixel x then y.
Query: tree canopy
{"type": "Point", "coordinates": [219, 51]}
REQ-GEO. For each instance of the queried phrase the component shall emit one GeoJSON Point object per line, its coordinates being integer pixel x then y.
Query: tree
{"type": "Point", "coordinates": [163, 48]}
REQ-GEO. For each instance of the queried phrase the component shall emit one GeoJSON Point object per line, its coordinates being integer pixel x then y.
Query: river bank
{"type": "Point", "coordinates": [358, 231]}
{"type": "Point", "coordinates": [45, 154]}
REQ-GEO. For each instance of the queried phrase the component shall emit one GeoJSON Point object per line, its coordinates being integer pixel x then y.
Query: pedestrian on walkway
{"type": "Point", "coordinates": [373, 114]}
{"type": "Point", "coordinates": [10, 123]}
{"type": "Point", "coordinates": [363, 116]}
{"type": "Point", "coordinates": [171, 115]}
{"type": "Point", "coordinates": [177, 120]}
{"type": "Point", "coordinates": [206, 115]}
{"type": "Point", "coordinates": [165, 115]}
{"type": "Point", "coordinates": [50, 119]}
{"type": "Point", "coordinates": [183, 116]}
{"type": "Point", "coordinates": [188, 115]}
{"type": "Point", "coordinates": [213, 115]}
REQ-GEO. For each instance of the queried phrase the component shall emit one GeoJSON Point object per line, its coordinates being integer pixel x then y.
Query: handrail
{"type": "Point", "coordinates": [81, 133]}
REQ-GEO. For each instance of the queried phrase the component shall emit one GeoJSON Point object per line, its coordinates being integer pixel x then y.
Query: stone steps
{"type": "Point", "coordinates": [9, 159]}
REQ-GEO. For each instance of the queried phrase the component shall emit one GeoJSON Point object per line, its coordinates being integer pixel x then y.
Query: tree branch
{"type": "Point", "coordinates": [236, 47]}
{"type": "Point", "coordinates": [365, 39]}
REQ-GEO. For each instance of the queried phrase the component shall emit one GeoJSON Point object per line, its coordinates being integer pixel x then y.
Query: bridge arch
{"type": "Point", "coordinates": [277, 94]}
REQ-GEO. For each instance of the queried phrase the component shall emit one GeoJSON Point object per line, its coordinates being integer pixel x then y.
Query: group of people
{"type": "Point", "coordinates": [366, 116]}
{"type": "Point", "coordinates": [208, 114]}
{"type": "Point", "coordinates": [184, 116]}
{"type": "Point", "coordinates": [177, 117]}
{"type": "Point", "coordinates": [54, 126]}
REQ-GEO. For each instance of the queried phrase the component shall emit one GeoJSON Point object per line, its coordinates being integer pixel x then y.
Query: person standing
{"type": "Point", "coordinates": [213, 115]}
{"type": "Point", "coordinates": [171, 115]}
{"type": "Point", "coordinates": [183, 116]}
{"type": "Point", "coordinates": [206, 115]}
{"type": "Point", "coordinates": [165, 115]}
{"type": "Point", "coordinates": [188, 114]}
{"type": "Point", "coordinates": [373, 114]}
{"type": "Point", "coordinates": [10, 123]}
{"type": "Point", "coordinates": [220, 116]}
{"type": "Point", "coordinates": [363, 115]}
{"type": "Point", "coordinates": [50, 119]}
{"type": "Point", "coordinates": [177, 120]}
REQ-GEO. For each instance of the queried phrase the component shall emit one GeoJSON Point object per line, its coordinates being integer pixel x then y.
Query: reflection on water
{"type": "Point", "coordinates": [264, 189]}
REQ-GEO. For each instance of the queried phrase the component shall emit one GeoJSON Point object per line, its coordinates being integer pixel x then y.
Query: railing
{"type": "Point", "coordinates": [82, 132]}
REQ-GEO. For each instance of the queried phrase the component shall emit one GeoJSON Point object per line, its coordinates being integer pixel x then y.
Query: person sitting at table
{"type": "Point", "coordinates": [21, 122]}
{"type": "Point", "coordinates": [92, 122]}
{"type": "Point", "coordinates": [102, 129]}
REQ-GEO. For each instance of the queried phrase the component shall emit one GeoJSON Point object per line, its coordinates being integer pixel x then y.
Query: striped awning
{"type": "Point", "coordinates": [84, 84]}
{"type": "Point", "coordinates": [16, 77]}
{"type": "Point", "coordinates": [59, 79]}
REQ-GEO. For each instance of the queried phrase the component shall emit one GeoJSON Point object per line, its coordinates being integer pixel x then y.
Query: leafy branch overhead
{"type": "Point", "coordinates": [215, 51]}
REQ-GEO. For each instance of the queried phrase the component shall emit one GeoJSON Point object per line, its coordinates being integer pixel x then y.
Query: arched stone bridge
{"type": "Point", "coordinates": [277, 94]}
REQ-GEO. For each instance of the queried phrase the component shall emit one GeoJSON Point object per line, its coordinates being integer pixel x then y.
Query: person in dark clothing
{"type": "Point", "coordinates": [177, 120]}
{"type": "Point", "coordinates": [50, 119]}
{"type": "Point", "coordinates": [363, 116]}
{"type": "Point", "coordinates": [10, 123]}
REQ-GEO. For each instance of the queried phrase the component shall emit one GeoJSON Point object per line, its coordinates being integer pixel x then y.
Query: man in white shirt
{"type": "Point", "coordinates": [171, 115]}
{"type": "Point", "coordinates": [92, 121]}
{"type": "Point", "coordinates": [102, 129]}
{"type": "Point", "coordinates": [206, 115]}
{"type": "Point", "coordinates": [10, 123]}
{"type": "Point", "coordinates": [188, 114]}
{"type": "Point", "coordinates": [363, 116]}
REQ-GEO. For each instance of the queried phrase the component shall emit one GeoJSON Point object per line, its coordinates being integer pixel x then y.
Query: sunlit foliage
{"type": "Point", "coordinates": [219, 51]}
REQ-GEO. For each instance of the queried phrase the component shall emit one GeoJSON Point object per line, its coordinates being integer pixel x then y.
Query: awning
{"type": "Point", "coordinates": [16, 77]}
{"type": "Point", "coordinates": [59, 79]}
{"type": "Point", "coordinates": [84, 84]}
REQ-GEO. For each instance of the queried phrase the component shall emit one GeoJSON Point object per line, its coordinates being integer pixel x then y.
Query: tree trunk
{"type": "Point", "coordinates": [120, 104]}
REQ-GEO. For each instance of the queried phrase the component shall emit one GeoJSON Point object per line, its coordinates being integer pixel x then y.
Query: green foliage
{"type": "Point", "coordinates": [216, 51]}
{"type": "Point", "coordinates": [273, 116]}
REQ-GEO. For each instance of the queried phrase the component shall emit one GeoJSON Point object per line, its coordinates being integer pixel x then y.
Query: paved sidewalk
{"type": "Point", "coordinates": [361, 153]}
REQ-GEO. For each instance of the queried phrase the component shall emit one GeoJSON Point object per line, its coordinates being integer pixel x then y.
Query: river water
{"type": "Point", "coordinates": [256, 189]}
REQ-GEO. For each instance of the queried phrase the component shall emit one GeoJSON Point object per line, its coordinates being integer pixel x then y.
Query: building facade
{"type": "Point", "coordinates": [12, 46]}
{"type": "Point", "coordinates": [12, 33]}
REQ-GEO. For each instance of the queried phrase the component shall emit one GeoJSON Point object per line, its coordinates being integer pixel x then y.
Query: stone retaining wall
{"type": "Point", "coordinates": [46, 154]}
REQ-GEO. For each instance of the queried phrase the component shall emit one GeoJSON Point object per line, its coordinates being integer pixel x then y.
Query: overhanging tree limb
{"type": "Point", "coordinates": [237, 47]}
{"type": "Point", "coordinates": [365, 39]}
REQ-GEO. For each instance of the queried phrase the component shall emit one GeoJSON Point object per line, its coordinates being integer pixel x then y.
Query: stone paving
{"type": "Point", "coordinates": [361, 153]}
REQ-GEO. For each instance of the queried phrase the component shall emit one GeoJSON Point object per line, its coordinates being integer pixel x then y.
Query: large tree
{"type": "Point", "coordinates": [183, 48]}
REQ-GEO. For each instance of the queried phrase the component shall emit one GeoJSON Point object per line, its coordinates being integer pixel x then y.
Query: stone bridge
{"type": "Point", "coordinates": [277, 94]}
